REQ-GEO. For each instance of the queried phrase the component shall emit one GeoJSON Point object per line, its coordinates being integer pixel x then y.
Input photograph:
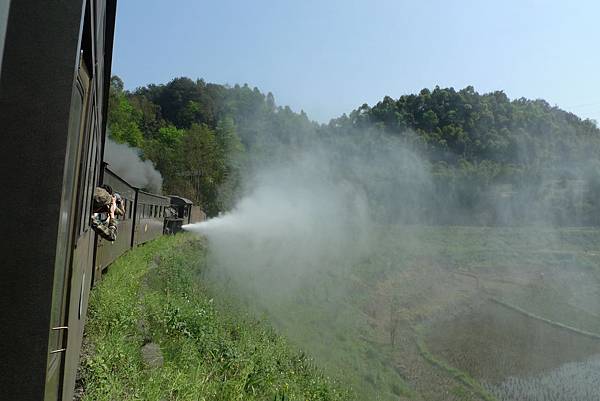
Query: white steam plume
{"type": "Point", "coordinates": [310, 215]}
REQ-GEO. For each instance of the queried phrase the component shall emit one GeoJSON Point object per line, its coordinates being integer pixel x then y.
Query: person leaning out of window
{"type": "Point", "coordinates": [103, 213]}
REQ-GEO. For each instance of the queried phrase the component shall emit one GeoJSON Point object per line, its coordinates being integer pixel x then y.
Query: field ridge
{"type": "Point", "coordinates": [543, 319]}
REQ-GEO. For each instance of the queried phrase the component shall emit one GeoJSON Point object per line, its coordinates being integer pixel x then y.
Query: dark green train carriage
{"type": "Point", "coordinates": [54, 80]}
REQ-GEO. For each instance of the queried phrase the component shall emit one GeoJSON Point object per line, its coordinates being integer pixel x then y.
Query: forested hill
{"type": "Point", "coordinates": [203, 136]}
{"type": "Point", "coordinates": [452, 125]}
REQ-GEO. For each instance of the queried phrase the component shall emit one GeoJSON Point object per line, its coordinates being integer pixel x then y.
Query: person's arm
{"type": "Point", "coordinates": [112, 227]}
{"type": "Point", "coordinates": [113, 207]}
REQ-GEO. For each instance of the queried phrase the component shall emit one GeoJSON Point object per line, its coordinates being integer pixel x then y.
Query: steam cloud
{"type": "Point", "coordinates": [317, 211]}
{"type": "Point", "coordinates": [126, 162]}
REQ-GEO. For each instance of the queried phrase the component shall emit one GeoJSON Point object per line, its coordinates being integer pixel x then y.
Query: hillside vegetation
{"type": "Point", "coordinates": [490, 158]}
{"type": "Point", "coordinates": [152, 300]}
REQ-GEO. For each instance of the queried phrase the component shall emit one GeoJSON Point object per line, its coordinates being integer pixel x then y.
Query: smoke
{"type": "Point", "coordinates": [125, 162]}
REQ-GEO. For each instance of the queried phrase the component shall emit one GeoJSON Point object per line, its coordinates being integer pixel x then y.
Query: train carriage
{"type": "Point", "coordinates": [54, 81]}
{"type": "Point", "coordinates": [149, 213]}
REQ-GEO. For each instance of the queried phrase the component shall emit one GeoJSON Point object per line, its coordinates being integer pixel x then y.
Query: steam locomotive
{"type": "Point", "coordinates": [55, 65]}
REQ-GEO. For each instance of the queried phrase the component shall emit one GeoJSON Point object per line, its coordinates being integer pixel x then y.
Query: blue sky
{"type": "Point", "coordinates": [328, 57]}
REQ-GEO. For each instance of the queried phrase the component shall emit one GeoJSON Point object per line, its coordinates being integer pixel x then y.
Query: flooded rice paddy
{"type": "Point", "coordinates": [519, 358]}
{"type": "Point", "coordinates": [574, 381]}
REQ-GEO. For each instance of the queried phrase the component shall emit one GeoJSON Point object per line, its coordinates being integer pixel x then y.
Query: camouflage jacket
{"type": "Point", "coordinates": [107, 230]}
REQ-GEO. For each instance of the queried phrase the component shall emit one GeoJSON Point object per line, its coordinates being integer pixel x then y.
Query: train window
{"type": "Point", "coordinates": [118, 217]}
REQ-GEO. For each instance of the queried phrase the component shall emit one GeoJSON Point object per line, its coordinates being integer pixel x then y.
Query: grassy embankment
{"type": "Point", "coordinates": [152, 295]}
